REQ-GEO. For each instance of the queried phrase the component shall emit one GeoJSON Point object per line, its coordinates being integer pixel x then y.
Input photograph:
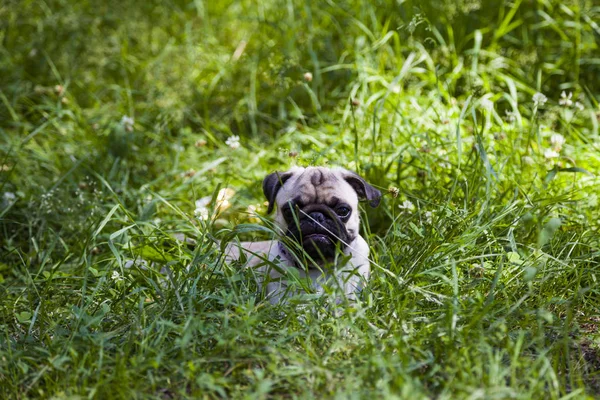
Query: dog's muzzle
{"type": "Point", "coordinates": [318, 230]}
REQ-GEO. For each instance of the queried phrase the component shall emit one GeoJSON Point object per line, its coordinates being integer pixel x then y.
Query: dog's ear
{"type": "Point", "coordinates": [363, 189]}
{"type": "Point", "coordinates": [271, 185]}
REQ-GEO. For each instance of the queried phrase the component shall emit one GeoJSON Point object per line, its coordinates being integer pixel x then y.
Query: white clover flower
{"type": "Point", "coordinates": [445, 165]}
{"type": "Point", "coordinates": [202, 213]}
{"type": "Point", "coordinates": [407, 205]}
{"type": "Point", "coordinates": [9, 197]}
{"type": "Point", "coordinates": [203, 202]}
{"type": "Point", "coordinates": [116, 276]}
{"type": "Point", "coordinates": [395, 88]}
{"type": "Point", "coordinates": [127, 122]}
{"type": "Point", "coordinates": [557, 141]}
{"type": "Point", "coordinates": [511, 116]}
{"type": "Point", "coordinates": [565, 100]}
{"type": "Point", "coordinates": [428, 216]}
{"type": "Point", "coordinates": [138, 262]}
{"type": "Point", "coordinates": [539, 99]}
{"type": "Point", "coordinates": [550, 153]}
{"type": "Point", "coordinates": [178, 148]}
{"type": "Point", "coordinates": [233, 141]}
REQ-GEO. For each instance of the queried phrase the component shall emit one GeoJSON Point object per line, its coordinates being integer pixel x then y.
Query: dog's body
{"type": "Point", "coordinates": [319, 247]}
{"type": "Point", "coordinates": [348, 278]}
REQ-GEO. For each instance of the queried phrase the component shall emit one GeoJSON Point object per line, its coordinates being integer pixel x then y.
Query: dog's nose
{"type": "Point", "coordinates": [317, 216]}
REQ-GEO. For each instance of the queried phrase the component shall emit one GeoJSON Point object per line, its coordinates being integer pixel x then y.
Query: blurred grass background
{"type": "Point", "coordinates": [115, 117]}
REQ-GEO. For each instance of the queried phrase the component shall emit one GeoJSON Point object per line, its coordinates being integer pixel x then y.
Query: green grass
{"type": "Point", "coordinates": [485, 283]}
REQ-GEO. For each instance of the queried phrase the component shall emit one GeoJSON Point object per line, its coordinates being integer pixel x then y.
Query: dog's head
{"type": "Point", "coordinates": [318, 207]}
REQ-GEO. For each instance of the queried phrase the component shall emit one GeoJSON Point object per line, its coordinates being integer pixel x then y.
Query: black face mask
{"type": "Point", "coordinates": [318, 229]}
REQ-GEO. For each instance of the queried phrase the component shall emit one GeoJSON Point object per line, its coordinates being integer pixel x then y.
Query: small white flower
{"type": "Point", "coordinates": [9, 197]}
{"type": "Point", "coordinates": [142, 264]}
{"type": "Point", "coordinates": [527, 160]}
{"type": "Point", "coordinates": [549, 153]}
{"type": "Point", "coordinates": [565, 100]}
{"type": "Point", "coordinates": [407, 205]}
{"type": "Point", "coordinates": [395, 88]}
{"type": "Point", "coordinates": [557, 141]}
{"type": "Point", "coordinates": [539, 99]}
{"type": "Point", "coordinates": [203, 202]}
{"type": "Point", "coordinates": [202, 213]}
{"type": "Point", "coordinates": [233, 141]}
{"type": "Point", "coordinates": [127, 122]}
{"type": "Point", "coordinates": [116, 276]}
{"type": "Point", "coordinates": [511, 116]}
{"type": "Point", "coordinates": [178, 148]}
{"type": "Point", "coordinates": [308, 77]}
{"type": "Point", "coordinates": [486, 104]}
{"type": "Point", "coordinates": [428, 216]}
{"type": "Point", "coordinates": [579, 106]}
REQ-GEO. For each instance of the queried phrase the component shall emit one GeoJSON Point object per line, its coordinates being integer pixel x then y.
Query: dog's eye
{"type": "Point", "coordinates": [342, 211]}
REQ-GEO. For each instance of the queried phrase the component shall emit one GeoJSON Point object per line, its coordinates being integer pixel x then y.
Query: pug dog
{"type": "Point", "coordinates": [319, 247]}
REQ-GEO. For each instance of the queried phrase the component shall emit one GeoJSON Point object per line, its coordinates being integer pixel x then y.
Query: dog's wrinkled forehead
{"type": "Point", "coordinates": [316, 185]}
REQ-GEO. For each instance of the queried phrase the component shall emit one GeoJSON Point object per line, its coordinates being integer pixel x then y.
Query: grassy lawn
{"type": "Point", "coordinates": [479, 120]}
